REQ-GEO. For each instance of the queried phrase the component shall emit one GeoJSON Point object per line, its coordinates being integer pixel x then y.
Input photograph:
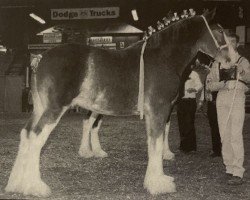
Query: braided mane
{"type": "Point", "coordinates": [169, 22]}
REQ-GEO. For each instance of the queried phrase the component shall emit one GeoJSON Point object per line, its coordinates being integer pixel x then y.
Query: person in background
{"type": "Point", "coordinates": [210, 98]}
{"type": "Point", "coordinates": [230, 103]}
{"type": "Point", "coordinates": [30, 101]}
{"type": "Point", "coordinates": [186, 109]}
{"type": "Point", "coordinates": [213, 123]}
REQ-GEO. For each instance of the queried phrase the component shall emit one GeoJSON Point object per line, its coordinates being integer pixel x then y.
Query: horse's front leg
{"type": "Point", "coordinates": [167, 154]}
{"type": "Point", "coordinates": [156, 182]}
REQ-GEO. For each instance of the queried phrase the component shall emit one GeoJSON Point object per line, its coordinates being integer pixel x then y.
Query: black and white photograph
{"type": "Point", "coordinates": [125, 99]}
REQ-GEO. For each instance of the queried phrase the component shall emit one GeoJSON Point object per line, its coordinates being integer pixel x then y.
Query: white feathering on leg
{"type": "Point", "coordinates": [156, 182]}
{"type": "Point", "coordinates": [25, 177]}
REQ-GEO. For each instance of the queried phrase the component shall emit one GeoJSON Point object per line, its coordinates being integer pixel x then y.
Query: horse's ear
{"type": "Point", "coordinates": [209, 15]}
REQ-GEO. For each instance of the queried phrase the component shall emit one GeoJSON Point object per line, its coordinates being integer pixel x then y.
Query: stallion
{"type": "Point", "coordinates": [107, 82]}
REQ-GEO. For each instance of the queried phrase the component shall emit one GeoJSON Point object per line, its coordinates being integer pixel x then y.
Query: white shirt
{"type": "Point", "coordinates": [193, 82]}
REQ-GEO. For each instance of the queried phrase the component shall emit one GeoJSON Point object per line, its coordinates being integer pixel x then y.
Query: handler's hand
{"type": "Point", "coordinates": [240, 70]}
{"type": "Point", "coordinates": [222, 84]}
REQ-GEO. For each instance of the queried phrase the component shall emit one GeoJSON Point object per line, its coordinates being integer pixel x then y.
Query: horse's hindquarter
{"type": "Point", "coordinates": [110, 85]}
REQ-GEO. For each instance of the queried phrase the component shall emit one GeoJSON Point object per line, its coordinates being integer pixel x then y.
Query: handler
{"type": "Point", "coordinates": [222, 78]}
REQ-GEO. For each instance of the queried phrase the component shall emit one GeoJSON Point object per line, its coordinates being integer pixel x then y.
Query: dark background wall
{"type": "Point", "coordinates": [16, 27]}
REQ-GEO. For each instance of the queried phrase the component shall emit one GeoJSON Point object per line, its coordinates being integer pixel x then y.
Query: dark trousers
{"type": "Point", "coordinates": [186, 109]}
{"type": "Point", "coordinates": [213, 122]}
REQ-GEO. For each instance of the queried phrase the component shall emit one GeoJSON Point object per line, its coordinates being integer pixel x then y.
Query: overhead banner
{"type": "Point", "coordinates": [84, 13]}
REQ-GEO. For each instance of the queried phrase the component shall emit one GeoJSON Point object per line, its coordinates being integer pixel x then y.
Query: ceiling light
{"type": "Point", "coordinates": [134, 14]}
{"type": "Point", "coordinates": [37, 18]}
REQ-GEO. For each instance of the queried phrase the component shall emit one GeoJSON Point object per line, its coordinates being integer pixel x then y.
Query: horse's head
{"type": "Point", "coordinates": [214, 41]}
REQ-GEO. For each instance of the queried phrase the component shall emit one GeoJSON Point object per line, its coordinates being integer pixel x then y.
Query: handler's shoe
{"type": "Point", "coordinates": [235, 180]}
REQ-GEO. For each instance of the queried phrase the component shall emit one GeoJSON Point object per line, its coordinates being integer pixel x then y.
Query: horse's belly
{"type": "Point", "coordinates": [108, 88]}
{"type": "Point", "coordinates": [107, 103]}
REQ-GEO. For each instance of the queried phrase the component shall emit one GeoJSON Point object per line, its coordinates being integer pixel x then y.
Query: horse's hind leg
{"type": "Point", "coordinates": [156, 182]}
{"type": "Point", "coordinates": [25, 176]}
{"type": "Point", "coordinates": [95, 142]}
{"type": "Point", "coordinates": [167, 154]}
{"type": "Point", "coordinates": [85, 147]}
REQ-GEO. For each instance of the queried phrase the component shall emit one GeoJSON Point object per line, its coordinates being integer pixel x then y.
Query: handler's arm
{"type": "Point", "coordinates": [244, 70]}
{"type": "Point", "coordinates": [213, 82]}
{"type": "Point", "coordinates": [198, 84]}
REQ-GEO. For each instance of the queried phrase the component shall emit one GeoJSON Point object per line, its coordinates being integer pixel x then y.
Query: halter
{"type": "Point", "coordinates": [212, 35]}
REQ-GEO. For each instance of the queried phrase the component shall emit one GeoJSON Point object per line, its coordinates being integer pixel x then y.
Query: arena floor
{"type": "Point", "coordinates": [120, 176]}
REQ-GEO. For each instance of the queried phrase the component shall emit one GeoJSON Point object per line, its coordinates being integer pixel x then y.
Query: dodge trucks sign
{"type": "Point", "coordinates": [84, 13]}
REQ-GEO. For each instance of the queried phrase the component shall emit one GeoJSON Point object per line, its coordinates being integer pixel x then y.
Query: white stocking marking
{"type": "Point", "coordinates": [167, 154]}
{"type": "Point", "coordinates": [95, 142]}
{"type": "Point", "coordinates": [85, 150]}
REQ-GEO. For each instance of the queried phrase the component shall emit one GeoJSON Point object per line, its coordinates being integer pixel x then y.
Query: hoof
{"type": "Point", "coordinates": [38, 188]}
{"type": "Point", "coordinates": [100, 154]}
{"type": "Point", "coordinates": [85, 153]}
{"type": "Point", "coordinates": [159, 184]}
{"type": "Point", "coordinates": [168, 155]}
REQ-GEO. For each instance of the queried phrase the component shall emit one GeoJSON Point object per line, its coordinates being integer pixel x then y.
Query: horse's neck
{"type": "Point", "coordinates": [175, 56]}
{"type": "Point", "coordinates": [176, 49]}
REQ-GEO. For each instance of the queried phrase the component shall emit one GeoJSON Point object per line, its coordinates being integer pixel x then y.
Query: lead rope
{"type": "Point", "coordinates": [230, 111]}
{"type": "Point", "coordinates": [236, 84]}
{"type": "Point", "coordinates": [141, 82]}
